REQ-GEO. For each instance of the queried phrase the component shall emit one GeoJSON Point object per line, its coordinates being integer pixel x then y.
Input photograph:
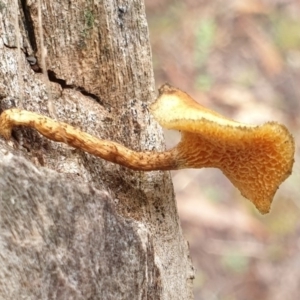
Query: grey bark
{"type": "Point", "coordinates": [86, 229]}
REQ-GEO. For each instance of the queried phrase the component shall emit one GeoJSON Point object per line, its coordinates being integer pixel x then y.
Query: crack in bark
{"type": "Point", "coordinates": [9, 46]}
{"type": "Point", "coordinates": [29, 26]}
{"type": "Point", "coordinates": [52, 77]}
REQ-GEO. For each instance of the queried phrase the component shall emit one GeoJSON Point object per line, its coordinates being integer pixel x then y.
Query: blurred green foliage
{"type": "Point", "coordinates": [235, 262]}
{"type": "Point", "coordinates": [205, 33]}
{"type": "Point", "coordinates": [286, 31]}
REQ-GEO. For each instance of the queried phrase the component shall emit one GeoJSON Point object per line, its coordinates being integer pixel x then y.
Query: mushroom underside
{"type": "Point", "coordinates": [255, 160]}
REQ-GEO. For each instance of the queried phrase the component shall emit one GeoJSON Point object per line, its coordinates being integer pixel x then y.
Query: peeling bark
{"type": "Point", "coordinates": [86, 229]}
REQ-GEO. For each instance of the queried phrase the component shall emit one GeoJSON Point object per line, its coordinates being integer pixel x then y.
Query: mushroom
{"type": "Point", "coordinates": [256, 159]}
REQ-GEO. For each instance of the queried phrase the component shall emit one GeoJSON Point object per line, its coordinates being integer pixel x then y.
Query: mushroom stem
{"type": "Point", "coordinates": [108, 150]}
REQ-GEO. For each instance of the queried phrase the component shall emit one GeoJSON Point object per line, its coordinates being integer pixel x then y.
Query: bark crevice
{"type": "Point", "coordinates": [63, 83]}
{"type": "Point", "coordinates": [29, 25]}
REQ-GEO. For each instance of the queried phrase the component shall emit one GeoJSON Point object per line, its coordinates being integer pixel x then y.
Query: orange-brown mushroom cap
{"type": "Point", "coordinates": [256, 159]}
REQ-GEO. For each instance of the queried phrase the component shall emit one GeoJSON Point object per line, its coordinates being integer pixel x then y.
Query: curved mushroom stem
{"type": "Point", "coordinates": [108, 150]}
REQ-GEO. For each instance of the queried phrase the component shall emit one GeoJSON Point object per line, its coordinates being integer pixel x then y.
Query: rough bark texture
{"type": "Point", "coordinates": [96, 230]}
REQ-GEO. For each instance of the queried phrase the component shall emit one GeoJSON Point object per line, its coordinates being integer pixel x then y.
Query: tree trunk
{"type": "Point", "coordinates": [86, 229]}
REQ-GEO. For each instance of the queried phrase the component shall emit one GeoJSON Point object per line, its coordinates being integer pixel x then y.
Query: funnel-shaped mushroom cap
{"type": "Point", "coordinates": [256, 159]}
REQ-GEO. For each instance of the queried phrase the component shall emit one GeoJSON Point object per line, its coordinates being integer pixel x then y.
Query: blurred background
{"type": "Point", "coordinates": [242, 59]}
